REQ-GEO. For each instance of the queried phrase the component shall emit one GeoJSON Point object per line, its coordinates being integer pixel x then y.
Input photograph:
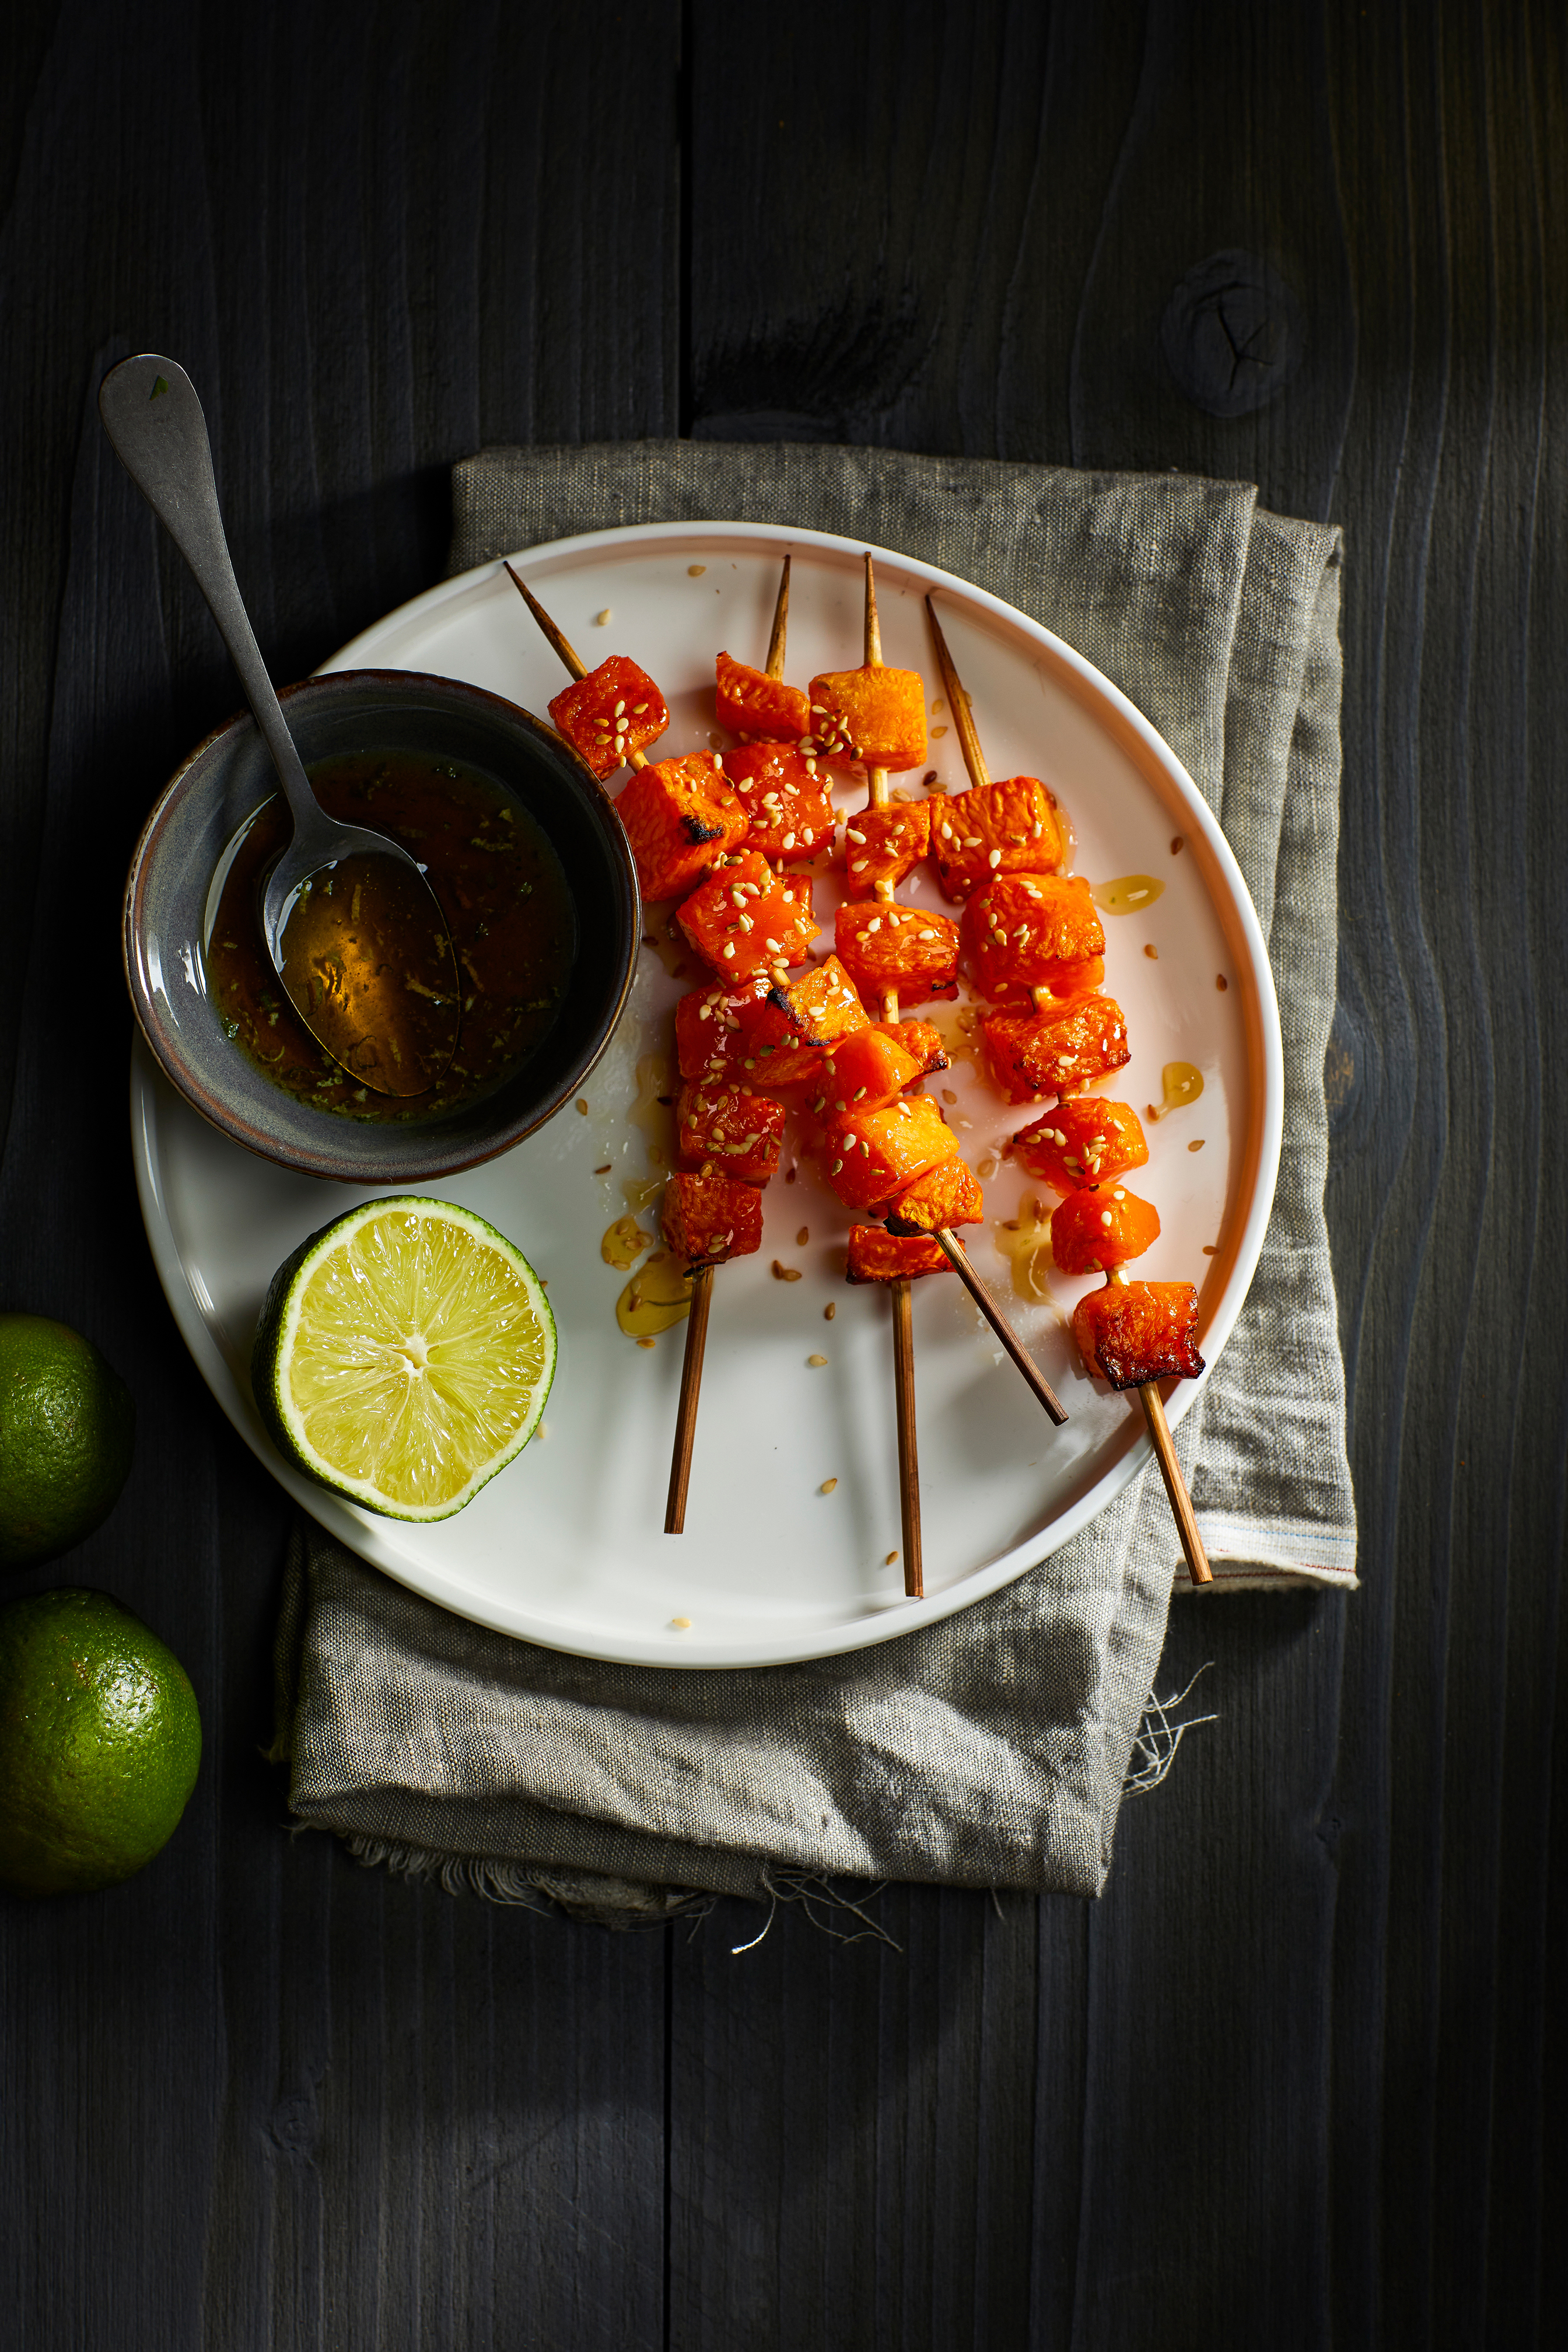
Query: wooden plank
{"type": "Point", "coordinates": [851, 2128]}
{"type": "Point", "coordinates": [258, 2096]}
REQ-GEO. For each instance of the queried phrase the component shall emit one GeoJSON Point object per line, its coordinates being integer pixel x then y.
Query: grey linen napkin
{"type": "Point", "coordinates": [990, 1749]}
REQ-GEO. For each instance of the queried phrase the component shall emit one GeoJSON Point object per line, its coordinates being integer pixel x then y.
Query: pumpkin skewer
{"type": "Point", "coordinates": [1148, 1394]}
{"type": "Point", "coordinates": [899, 1290]}
{"type": "Point", "coordinates": [944, 1236]}
{"type": "Point", "coordinates": [701, 1276]}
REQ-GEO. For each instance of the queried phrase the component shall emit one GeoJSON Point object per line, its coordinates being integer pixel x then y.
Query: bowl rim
{"type": "Point", "coordinates": [206, 1100]}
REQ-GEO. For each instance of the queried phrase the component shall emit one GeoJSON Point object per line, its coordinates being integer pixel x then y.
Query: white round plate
{"type": "Point", "coordinates": [567, 1547]}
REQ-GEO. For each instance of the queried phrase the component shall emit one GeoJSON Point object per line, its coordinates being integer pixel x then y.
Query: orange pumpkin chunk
{"type": "Point", "coordinates": [720, 1130]}
{"type": "Point", "coordinates": [947, 1194]}
{"type": "Point", "coordinates": [874, 1155]}
{"type": "Point", "coordinates": [1005, 828]}
{"type": "Point", "coordinates": [784, 1036]}
{"type": "Point", "coordinates": [1023, 931]}
{"type": "Point", "coordinates": [747, 918]}
{"type": "Point", "coordinates": [1085, 1141]}
{"type": "Point", "coordinates": [785, 796]}
{"type": "Point", "coordinates": [681, 818]}
{"type": "Point", "coordinates": [1035, 1054]}
{"type": "Point", "coordinates": [1135, 1332]}
{"type": "Point", "coordinates": [706, 1219]}
{"type": "Point", "coordinates": [708, 1037]}
{"type": "Point", "coordinates": [903, 951]}
{"type": "Point", "coordinates": [924, 1039]}
{"type": "Point", "coordinates": [883, 844]}
{"type": "Point", "coordinates": [750, 702]}
{"type": "Point", "coordinates": [875, 715]}
{"type": "Point", "coordinates": [812, 1008]}
{"type": "Point", "coordinates": [862, 1072]}
{"type": "Point", "coordinates": [879, 1256]}
{"type": "Point", "coordinates": [1102, 1227]}
{"type": "Point", "coordinates": [610, 714]}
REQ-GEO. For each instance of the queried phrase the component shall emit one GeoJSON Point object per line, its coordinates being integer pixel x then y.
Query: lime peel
{"type": "Point", "coordinates": [404, 1356]}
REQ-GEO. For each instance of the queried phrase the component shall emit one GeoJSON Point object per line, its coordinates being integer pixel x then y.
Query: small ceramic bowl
{"type": "Point", "coordinates": [170, 903]}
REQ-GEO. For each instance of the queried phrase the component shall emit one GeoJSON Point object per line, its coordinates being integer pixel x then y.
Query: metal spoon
{"type": "Point", "coordinates": [355, 930]}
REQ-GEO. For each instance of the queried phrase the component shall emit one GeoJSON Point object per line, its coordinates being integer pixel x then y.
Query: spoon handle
{"type": "Point", "coordinates": [153, 416]}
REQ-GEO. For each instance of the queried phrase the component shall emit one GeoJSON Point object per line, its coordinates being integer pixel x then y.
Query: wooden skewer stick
{"type": "Point", "coordinates": [901, 1289]}
{"type": "Point", "coordinates": [690, 1388]}
{"type": "Point", "coordinates": [702, 1279]}
{"type": "Point", "coordinates": [1148, 1394]}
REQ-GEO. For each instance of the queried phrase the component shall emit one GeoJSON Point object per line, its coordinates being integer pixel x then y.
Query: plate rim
{"type": "Point", "coordinates": [367, 1536]}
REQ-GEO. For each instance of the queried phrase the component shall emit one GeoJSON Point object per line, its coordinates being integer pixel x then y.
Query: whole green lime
{"type": "Point", "coordinates": [67, 1428]}
{"type": "Point", "coordinates": [100, 1739]}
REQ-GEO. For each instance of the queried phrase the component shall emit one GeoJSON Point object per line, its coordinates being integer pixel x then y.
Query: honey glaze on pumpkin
{"type": "Point", "coordinates": [499, 886]}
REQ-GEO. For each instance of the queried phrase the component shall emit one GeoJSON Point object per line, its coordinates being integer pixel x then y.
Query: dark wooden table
{"type": "Point", "coordinates": [1298, 2079]}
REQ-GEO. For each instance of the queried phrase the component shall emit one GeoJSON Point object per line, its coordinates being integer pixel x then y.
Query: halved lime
{"type": "Point", "coordinates": [404, 1356]}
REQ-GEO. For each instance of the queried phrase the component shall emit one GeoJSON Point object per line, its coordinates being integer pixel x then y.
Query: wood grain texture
{"type": "Point", "coordinates": [1296, 2080]}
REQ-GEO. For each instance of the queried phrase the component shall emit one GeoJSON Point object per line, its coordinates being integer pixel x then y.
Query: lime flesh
{"type": "Point", "coordinates": [404, 1356]}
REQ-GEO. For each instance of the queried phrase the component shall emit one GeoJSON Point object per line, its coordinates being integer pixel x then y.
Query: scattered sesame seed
{"type": "Point", "coordinates": [1221, 982]}
{"type": "Point", "coordinates": [601, 619]}
{"type": "Point", "coordinates": [828, 1486]}
{"type": "Point", "coordinates": [683, 1625]}
{"type": "Point", "coordinates": [1198, 1146]}
{"type": "Point", "coordinates": [801, 1238]}
{"type": "Point", "coordinates": [815, 1361]}
{"type": "Point", "coordinates": [829, 1311]}
{"type": "Point", "coordinates": [645, 1341]}
{"type": "Point", "coordinates": [1209, 1250]}
{"type": "Point", "coordinates": [609, 1164]}
{"type": "Point", "coordinates": [891, 1560]}
{"type": "Point", "coordinates": [581, 1106]}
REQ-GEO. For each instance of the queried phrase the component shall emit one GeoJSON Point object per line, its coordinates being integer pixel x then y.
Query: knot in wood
{"type": "Point", "coordinates": [1232, 334]}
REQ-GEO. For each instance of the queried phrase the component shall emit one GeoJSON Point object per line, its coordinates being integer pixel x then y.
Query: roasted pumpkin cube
{"type": "Point", "coordinates": [1130, 1332]}
{"type": "Point", "coordinates": [750, 702]}
{"type": "Point", "coordinates": [812, 1008]}
{"type": "Point", "coordinates": [785, 795]}
{"type": "Point", "coordinates": [681, 818]}
{"type": "Point", "coordinates": [883, 844]}
{"type": "Point", "coordinates": [1023, 931]}
{"type": "Point", "coordinates": [708, 1035]}
{"type": "Point", "coordinates": [924, 1039]}
{"type": "Point", "coordinates": [874, 1155]}
{"type": "Point", "coordinates": [784, 1035]}
{"type": "Point", "coordinates": [614, 711]}
{"type": "Point", "coordinates": [719, 1130]}
{"type": "Point", "coordinates": [1035, 1054]}
{"type": "Point", "coordinates": [862, 1072]}
{"type": "Point", "coordinates": [1102, 1227]}
{"type": "Point", "coordinates": [875, 715]}
{"type": "Point", "coordinates": [947, 1194]}
{"type": "Point", "coordinates": [1087, 1140]}
{"type": "Point", "coordinates": [745, 918]}
{"type": "Point", "coordinates": [706, 1219]}
{"type": "Point", "coordinates": [1001, 828]}
{"type": "Point", "coordinates": [876, 1256]}
{"type": "Point", "coordinates": [903, 951]}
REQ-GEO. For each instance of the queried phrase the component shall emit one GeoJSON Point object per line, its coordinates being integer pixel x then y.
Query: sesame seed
{"type": "Point", "coordinates": [829, 1311]}
{"type": "Point", "coordinates": [816, 1360]}
{"type": "Point", "coordinates": [1105, 1216]}
{"type": "Point", "coordinates": [890, 1559]}
{"type": "Point", "coordinates": [828, 1486]}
